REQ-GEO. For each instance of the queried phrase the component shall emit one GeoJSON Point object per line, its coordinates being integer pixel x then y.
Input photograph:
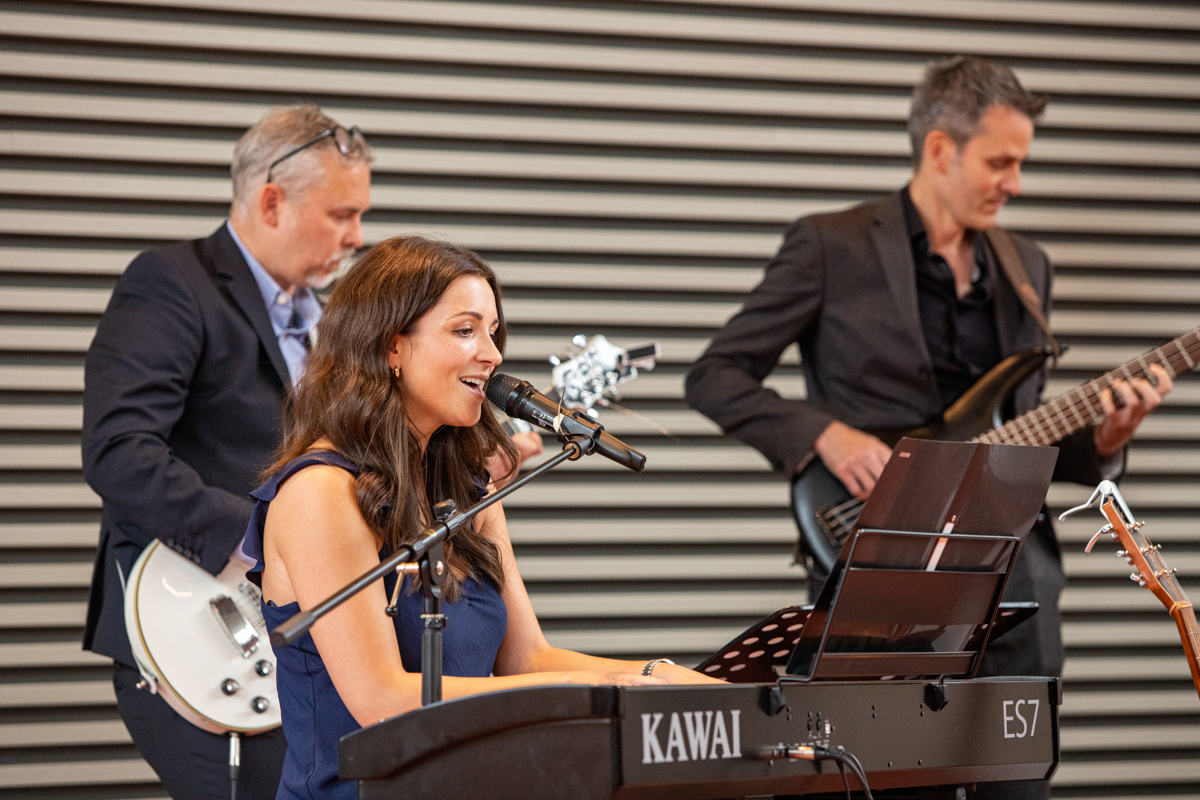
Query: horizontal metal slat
{"type": "Point", "coordinates": [574, 202]}
{"type": "Point", "coordinates": [1132, 773]}
{"type": "Point", "coordinates": [40, 417]}
{"type": "Point", "coordinates": [150, 149]}
{"type": "Point", "coordinates": [769, 493]}
{"type": "Point", "coordinates": [45, 575]}
{"type": "Point", "coordinates": [1123, 668]}
{"type": "Point", "coordinates": [1090, 599]}
{"type": "Point", "coordinates": [1121, 15]}
{"type": "Point", "coordinates": [564, 605]}
{"type": "Point", "coordinates": [643, 641]}
{"type": "Point", "coordinates": [49, 534]}
{"type": "Point", "coordinates": [599, 567]}
{"type": "Point", "coordinates": [1141, 701]}
{"type": "Point", "coordinates": [48, 495]}
{"type": "Point", "coordinates": [1037, 184]}
{"type": "Point", "coordinates": [1133, 737]}
{"type": "Point", "coordinates": [41, 338]}
{"type": "Point", "coordinates": [41, 378]}
{"type": "Point", "coordinates": [57, 693]}
{"type": "Point", "coordinates": [1124, 634]}
{"type": "Point", "coordinates": [39, 615]}
{"type": "Point", "coordinates": [49, 654]}
{"type": "Point", "coordinates": [779, 30]}
{"type": "Point", "coordinates": [63, 734]}
{"type": "Point", "coordinates": [612, 530]}
{"type": "Point", "coordinates": [589, 240]}
{"type": "Point", "coordinates": [1135, 773]}
{"type": "Point", "coordinates": [54, 300]}
{"type": "Point", "coordinates": [76, 773]}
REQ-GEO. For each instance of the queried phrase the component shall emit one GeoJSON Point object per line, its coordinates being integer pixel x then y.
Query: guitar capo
{"type": "Point", "coordinates": [1106, 490]}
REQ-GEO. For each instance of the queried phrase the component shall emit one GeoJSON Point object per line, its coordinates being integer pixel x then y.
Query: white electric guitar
{"type": "Point", "coordinates": [201, 643]}
{"type": "Point", "coordinates": [597, 370]}
{"type": "Point", "coordinates": [589, 377]}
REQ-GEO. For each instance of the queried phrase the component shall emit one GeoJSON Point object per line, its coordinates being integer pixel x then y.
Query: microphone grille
{"type": "Point", "coordinates": [499, 388]}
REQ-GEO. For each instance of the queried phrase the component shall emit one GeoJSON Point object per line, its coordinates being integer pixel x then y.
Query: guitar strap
{"type": "Point", "coordinates": [1010, 261]}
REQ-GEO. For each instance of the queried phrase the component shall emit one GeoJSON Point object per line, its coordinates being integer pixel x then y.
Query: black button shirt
{"type": "Point", "coordinates": [960, 333]}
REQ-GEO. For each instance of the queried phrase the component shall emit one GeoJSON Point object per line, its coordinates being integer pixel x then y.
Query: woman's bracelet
{"type": "Point", "coordinates": [652, 663]}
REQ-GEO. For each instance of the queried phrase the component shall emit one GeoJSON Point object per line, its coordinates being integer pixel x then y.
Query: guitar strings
{"type": "Point", "coordinates": [1038, 426]}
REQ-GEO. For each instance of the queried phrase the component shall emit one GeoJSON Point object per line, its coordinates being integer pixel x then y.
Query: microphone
{"type": "Point", "coordinates": [520, 400]}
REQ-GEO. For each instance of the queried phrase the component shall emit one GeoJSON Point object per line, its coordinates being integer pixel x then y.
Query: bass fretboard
{"type": "Point", "coordinates": [1080, 407]}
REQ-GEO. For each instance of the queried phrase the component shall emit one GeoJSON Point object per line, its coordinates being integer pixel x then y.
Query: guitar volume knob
{"type": "Point", "coordinates": [262, 667]}
{"type": "Point", "coordinates": [260, 704]}
{"type": "Point", "coordinates": [229, 686]}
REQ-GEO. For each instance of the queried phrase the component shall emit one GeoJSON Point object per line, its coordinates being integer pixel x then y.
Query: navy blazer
{"type": "Point", "coordinates": [184, 387]}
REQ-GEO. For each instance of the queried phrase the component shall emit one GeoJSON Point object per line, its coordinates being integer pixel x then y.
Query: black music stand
{"type": "Point", "coordinates": [917, 587]}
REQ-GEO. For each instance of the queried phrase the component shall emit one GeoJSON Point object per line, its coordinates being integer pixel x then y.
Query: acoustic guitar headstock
{"type": "Point", "coordinates": [1151, 569]}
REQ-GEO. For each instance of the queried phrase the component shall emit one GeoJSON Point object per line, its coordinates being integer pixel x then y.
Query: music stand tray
{"type": "Point", "coordinates": [761, 653]}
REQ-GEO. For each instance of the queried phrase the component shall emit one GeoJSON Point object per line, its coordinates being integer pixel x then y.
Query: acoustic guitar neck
{"type": "Point", "coordinates": [1154, 574]}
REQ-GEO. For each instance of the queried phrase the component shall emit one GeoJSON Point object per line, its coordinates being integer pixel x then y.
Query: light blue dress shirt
{"type": "Point", "coordinates": [293, 316]}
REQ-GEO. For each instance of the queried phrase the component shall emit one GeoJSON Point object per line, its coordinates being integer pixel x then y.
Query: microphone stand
{"type": "Point", "coordinates": [428, 553]}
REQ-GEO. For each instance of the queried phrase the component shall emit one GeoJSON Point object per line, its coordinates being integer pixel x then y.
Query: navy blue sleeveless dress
{"type": "Point", "coordinates": [314, 716]}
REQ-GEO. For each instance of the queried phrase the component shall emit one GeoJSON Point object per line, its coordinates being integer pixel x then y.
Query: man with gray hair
{"type": "Point", "coordinates": [184, 387]}
{"type": "Point", "coordinates": [899, 306]}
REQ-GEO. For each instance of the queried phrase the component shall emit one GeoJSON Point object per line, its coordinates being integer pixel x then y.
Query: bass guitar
{"type": "Point", "coordinates": [826, 513]}
{"type": "Point", "coordinates": [1150, 568]}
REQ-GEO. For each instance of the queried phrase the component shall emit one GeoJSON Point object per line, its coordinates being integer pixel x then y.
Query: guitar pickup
{"type": "Point", "coordinates": [240, 632]}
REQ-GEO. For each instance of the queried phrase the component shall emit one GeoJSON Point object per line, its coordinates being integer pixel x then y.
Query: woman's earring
{"type": "Point", "coordinates": [396, 372]}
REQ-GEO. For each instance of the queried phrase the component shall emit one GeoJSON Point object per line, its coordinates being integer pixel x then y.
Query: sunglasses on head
{"type": "Point", "coordinates": [343, 138]}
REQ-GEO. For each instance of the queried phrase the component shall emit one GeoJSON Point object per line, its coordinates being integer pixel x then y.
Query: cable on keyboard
{"type": "Point", "coordinates": [839, 755]}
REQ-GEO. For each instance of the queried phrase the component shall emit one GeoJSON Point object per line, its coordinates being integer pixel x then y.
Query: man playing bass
{"type": "Point", "coordinates": [898, 306]}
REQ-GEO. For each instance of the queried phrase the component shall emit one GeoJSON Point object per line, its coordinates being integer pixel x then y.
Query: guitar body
{"type": "Point", "coordinates": [815, 489]}
{"type": "Point", "coordinates": [184, 651]}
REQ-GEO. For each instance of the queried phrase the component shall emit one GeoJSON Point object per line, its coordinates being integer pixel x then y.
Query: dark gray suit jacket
{"type": "Point", "coordinates": [843, 286]}
{"type": "Point", "coordinates": [184, 385]}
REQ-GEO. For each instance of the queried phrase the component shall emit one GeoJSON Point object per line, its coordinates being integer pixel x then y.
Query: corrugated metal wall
{"type": "Point", "coordinates": [628, 167]}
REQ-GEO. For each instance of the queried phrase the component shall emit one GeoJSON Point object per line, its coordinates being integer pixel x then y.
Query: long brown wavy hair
{"type": "Point", "coordinates": [349, 397]}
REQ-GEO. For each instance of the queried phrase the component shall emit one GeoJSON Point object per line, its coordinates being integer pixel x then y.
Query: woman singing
{"type": "Point", "coordinates": [386, 421]}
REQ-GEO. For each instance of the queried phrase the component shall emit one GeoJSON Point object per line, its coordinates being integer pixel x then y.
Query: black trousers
{"type": "Point", "coordinates": [194, 764]}
{"type": "Point", "coordinates": [1035, 647]}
